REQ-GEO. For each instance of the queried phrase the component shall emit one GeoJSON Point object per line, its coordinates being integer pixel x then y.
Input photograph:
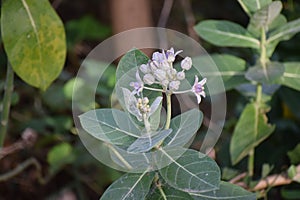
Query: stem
{"type": "Point", "coordinates": [251, 163]}
{"type": "Point", "coordinates": [147, 124]}
{"type": "Point", "coordinates": [6, 103]}
{"type": "Point", "coordinates": [158, 185]}
{"type": "Point", "coordinates": [169, 111]}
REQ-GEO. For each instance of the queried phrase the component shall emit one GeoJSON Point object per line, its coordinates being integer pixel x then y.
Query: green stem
{"type": "Point", "coordinates": [158, 185]}
{"type": "Point", "coordinates": [251, 163]}
{"type": "Point", "coordinates": [169, 111]}
{"type": "Point", "coordinates": [6, 103]}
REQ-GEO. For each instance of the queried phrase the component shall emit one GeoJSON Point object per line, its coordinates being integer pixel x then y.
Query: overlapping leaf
{"type": "Point", "coordinates": [110, 125]}
{"type": "Point", "coordinates": [34, 40]}
{"type": "Point", "coordinates": [226, 33]}
{"type": "Point", "coordinates": [184, 127]}
{"type": "Point", "coordinates": [147, 142]}
{"type": "Point", "coordinates": [171, 194]}
{"type": "Point", "coordinates": [184, 173]}
{"type": "Point", "coordinates": [251, 6]}
{"type": "Point", "coordinates": [129, 187]}
{"type": "Point", "coordinates": [246, 139]}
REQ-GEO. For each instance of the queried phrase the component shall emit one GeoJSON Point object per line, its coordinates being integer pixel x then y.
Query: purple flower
{"type": "Point", "coordinates": [170, 54]}
{"type": "Point", "coordinates": [198, 88]}
{"type": "Point", "coordinates": [138, 85]}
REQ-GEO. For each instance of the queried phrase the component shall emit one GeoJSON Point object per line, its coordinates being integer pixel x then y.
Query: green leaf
{"type": "Point", "coordinates": [171, 194]}
{"type": "Point", "coordinates": [273, 71]}
{"type": "Point", "coordinates": [226, 191]}
{"type": "Point", "coordinates": [251, 6]}
{"type": "Point", "coordinates": [265, 16]}
{"type": "Point", "coordinates": [291, 75]}
{"type": "Point", "coordinates": [146, 143]}
{"type": "Point", "coordinates": [110, 125]}
{"type": "Point", "coordinates": [129, 187]}
{"type": "Point", "coordinates": [34, 40]}
{"type": "Point", "coordinates": [184, 127]}
{"type": "Point", "coordinates": [59, 156]}
{"type": "Point", "coordinates": [226, 33]}
{"type": "Point", "coordinates": [192, 172]}
{"type": "Point", "coordinates": [284, 32]}
{"type": "Point", "coordinates": [231, 70]}
{"type": "Point", "coordinates": [294, 173]}
{"type": "Point", "coordinates": [294, 155]}
{"type": "Point", "coordinates": [246, 139]}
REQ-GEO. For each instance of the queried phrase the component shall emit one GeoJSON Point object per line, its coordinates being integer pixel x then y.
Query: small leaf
{"type": "Point", "coordinates": [192, 172]}
{"type": "Point", "coordinates": [291, 75]}
{"type": "Point", "coordinates": [226, 191]}
{"type": "Point", "coordinates": [251, 6]}
{"type": "Point", "coordinates": [294, 155]}
{"type": "Point", "coordinates": [230, 69]}
{"type": "Point", "coordinates": [34, 40]}
{"type": "Point", "coordinates": [110, 125]}
{"type": "Point", "coordinates": [129, 187]}
{"type": "Point", "coordinates": [171, 194]}
{"type": "Point", "coordinates": [284, 32]}
{"type": "Point", "coordinates": [226, 33]}
{"type": "Point", "coordinates": [146, 143]}
{"type": "Point", "coordinates": [246, 139]}
{"type": "Point", "coordinates": [265, 16]}
{"type": "Point", "coordinates": [184, 127]}
{"type": "Point", "coordinates": [273, 71]}
{"type": "Point", "coordinates": [294, 173]}
{"type": "Point", "coordinates": [266, 169]}
{"type": "Point", "coordinates": [59, 156]}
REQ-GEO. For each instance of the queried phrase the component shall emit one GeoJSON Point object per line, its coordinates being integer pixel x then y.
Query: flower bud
{"type": "Point", "coordinates": [153, 66]}
{"type": "Point", "coordinates": [186, 63]}
{"type": "Point", "coordinates": [180, 75]}
{"type": "Point", "coordinates": [174, 85]}
{"type": "Point", "coordinates": [165, 83]}
{"type": "Point", "coordinates": [145, 68]}
{"type": "Point", "coordinates": [149, 79]}
{"type": "Point", "coordinates": [160, 75]}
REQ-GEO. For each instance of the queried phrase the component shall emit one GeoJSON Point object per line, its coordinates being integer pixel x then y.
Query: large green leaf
{"type": "Point", "coordinates": [184, 127]}
{"type": "Point", "coordinates": [191, 172]}
{"type": "Point", "coordinates": [269, 74]}
{"type": "Point", "coordinates": [110, 125]}
{"type": "Point", "coordinates": [129, 187]}
{"type": "Point", "coordinates": [284, 32]}
{"type": "Point", "coordinates": [251, 6]}
{"type": "Point", "coordinates": [170, 193]}
{"type": "Point", "coordinates": [226, 33]}
{"type": "Point", "coordinates": [34, 40]}
{"type": "Point", "coordinates": [226, 191]}
{"type": "Point", "coordinates": [265, 16]}
{"type": "Point", "coordinates": [291, 75]}
{"type": "Point", "coordinates": [231, 70]}
{"type": "Point", "coordinates": [146, 143]}
{"type": "Point", "coordinates": [251, 129]}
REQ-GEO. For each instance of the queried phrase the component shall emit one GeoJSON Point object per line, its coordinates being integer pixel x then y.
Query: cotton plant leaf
{"type": "Point", "coordinates": [191, 172]}
{"type": "Point", "coordinates": [246, 139]}
{"type": "Point", "coordinates": [184, 127]}
{"type": "Point", "coordinates": [226, 191]}
{"type": "Point", "coordinates": [34, 40]}
{"type": "Point", "coordinates": [129, 187]}
{"type": "Point", "coordinates": [226, 34]}
{"type": "Point", "coordinates": [110, 125]}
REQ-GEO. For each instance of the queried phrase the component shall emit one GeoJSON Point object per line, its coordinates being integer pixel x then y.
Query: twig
{"type": "Point", "coordinates": [238, 178]}
{"type": "Point", "coordinates": [189, 18]}
{"type": "Point", "coordinates": [272, 181]}
{"type": "Point", "coordinates": [21, 167]}
{"type": "Point", "coordinates": [6, 103]}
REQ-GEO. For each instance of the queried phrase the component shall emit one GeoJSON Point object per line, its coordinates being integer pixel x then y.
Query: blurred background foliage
{"type": "Point", "coordinates": [69, 170]}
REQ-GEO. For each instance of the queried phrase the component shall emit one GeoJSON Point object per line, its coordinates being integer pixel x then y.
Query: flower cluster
{"type": "Point", "coordinates": [159, 70]}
